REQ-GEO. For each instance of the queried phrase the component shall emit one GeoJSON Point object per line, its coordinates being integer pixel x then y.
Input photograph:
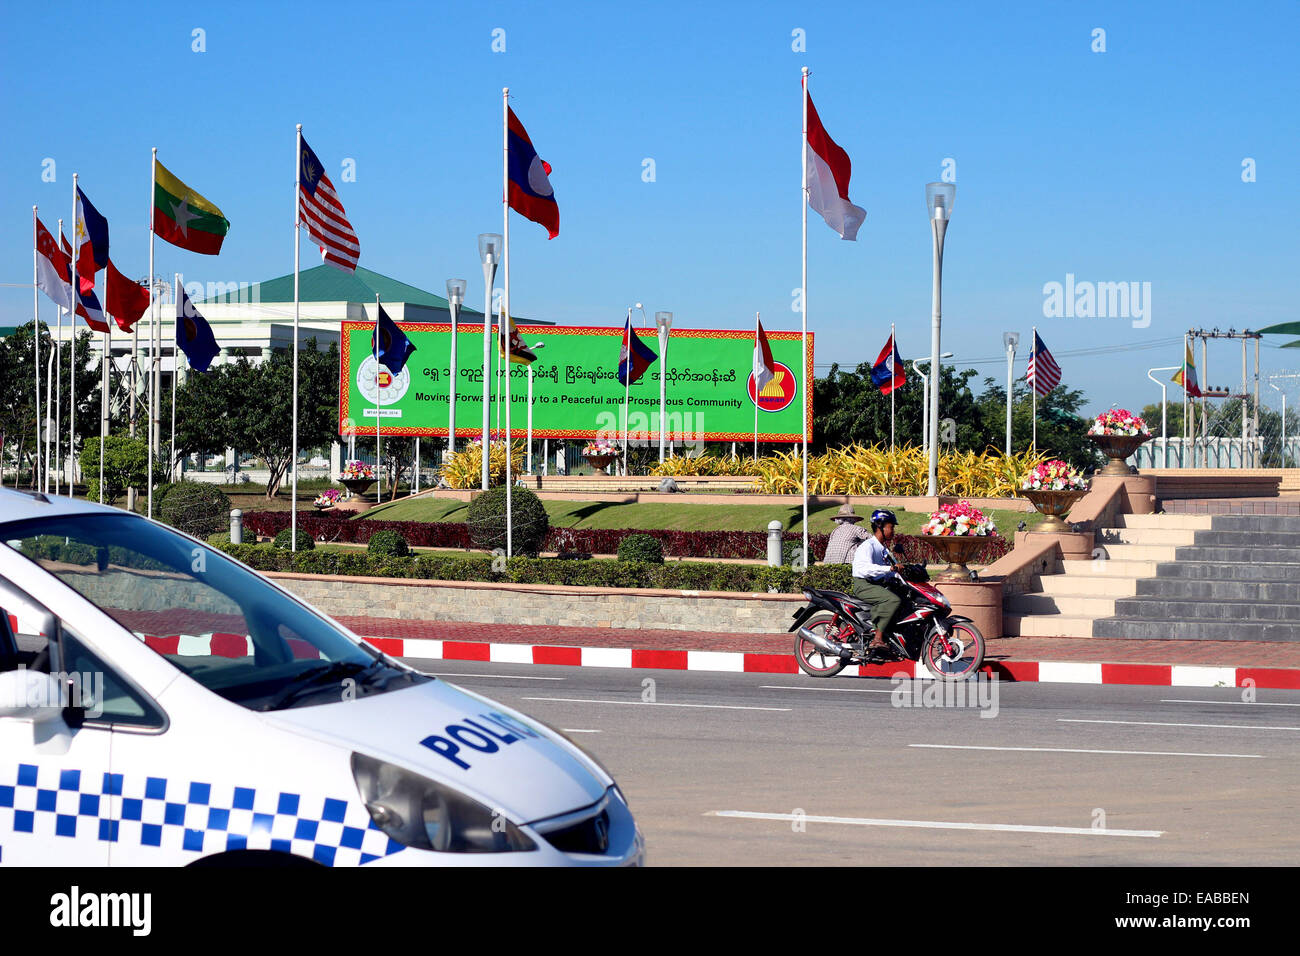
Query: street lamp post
{"type": "Point", "coordinates": [1010, 340]}
{"type": "Point", "coordinates": [938, 199]}
{"type": "Point", "coordinates": [1282, 458]}
{"type": "Point", "coordinates": [665, 322]}
{"type": "Point", "coordinates": [534, 347]}
{"type": "Point", "coordinates": [489, 250]}
{"type": "Point", "coordinates": [1164, 408]}
{"type": "Point", "coordinates": [455, 297]}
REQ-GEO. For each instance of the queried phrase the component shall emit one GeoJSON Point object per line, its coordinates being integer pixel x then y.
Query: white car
{"type": "Point", "coordinates": [162, 704]}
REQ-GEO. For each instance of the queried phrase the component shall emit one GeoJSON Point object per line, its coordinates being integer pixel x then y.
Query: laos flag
{"type": "Point", "coordinates": [530, 192]}
{"type": "Point", "coordinates": [888, 373]}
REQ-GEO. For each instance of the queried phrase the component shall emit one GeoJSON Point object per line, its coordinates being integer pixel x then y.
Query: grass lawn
{"type": "Point", "coordinates": [674, 516]}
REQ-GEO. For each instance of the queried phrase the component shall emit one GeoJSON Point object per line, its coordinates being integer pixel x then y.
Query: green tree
{"type": "Point", "coordinates": [1062, 431]}
{"type": "Point", "coordinates": [126, 461]}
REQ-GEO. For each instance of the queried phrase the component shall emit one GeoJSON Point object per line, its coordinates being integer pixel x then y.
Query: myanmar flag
{"type": "Point", "coordinates": [1186, 376]}
{"type": "Point", "coordinates": [183, 217]}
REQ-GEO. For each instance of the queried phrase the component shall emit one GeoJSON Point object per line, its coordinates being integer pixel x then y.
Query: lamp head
{"type": "Point", "coordinates": [456, 291]}
{"type": "Point", "coordinates": [1010, 339]}
{"type": "Point", "coordinates": [664, 320]}
{"type": "Point", "coordinates": [939, 199]}
{"type": "Point", "coordinates": [489, 248]}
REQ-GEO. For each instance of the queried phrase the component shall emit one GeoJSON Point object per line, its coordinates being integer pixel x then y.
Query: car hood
{"type": "Point", "coordinates": [492, 753]}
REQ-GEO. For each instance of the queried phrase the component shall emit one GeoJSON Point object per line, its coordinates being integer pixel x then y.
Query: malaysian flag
{"type": "Point", "coordinates": [1043, 370]}
{"type": "Point", "coordinates": [323, 215]}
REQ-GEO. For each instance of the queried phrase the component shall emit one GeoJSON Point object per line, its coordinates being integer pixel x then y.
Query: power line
{"type": "Point", "coordinates": [1068, 353]}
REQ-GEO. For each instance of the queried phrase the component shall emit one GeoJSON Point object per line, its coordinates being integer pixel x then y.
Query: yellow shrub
{"type": "Point", "coordinates": [465, 468]}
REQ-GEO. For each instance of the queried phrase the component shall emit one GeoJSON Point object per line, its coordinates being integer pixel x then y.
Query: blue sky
{"type": "Point", "coordinates": [1123, 165]}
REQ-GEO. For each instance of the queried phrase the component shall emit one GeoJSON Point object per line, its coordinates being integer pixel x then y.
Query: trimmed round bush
{"type": "Point", "coordinates": [486, 518]}
{"type": "Point", "coordinates": [641, 547]}
{"type": "Point", "coordinates": [283, 539]}
{"type": "Point", "coordinates": [195, 508]}
{"type": "Point", "coordinates": [388, 544]}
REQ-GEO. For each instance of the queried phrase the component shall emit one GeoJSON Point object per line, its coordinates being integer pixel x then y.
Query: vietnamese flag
{"type": "Point", "coordinates": [125, 300]}
{"type": "Point", "coordinates": [183, 217]}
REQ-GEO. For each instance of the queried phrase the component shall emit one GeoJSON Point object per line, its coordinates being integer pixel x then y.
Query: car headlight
{"type": "Point", "coordinates": [419, 813]}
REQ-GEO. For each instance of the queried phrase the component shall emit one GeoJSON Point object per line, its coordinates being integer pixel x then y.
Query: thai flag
{"type": "Point", "coordinates": [530, 191]}
{"type": "Point", "coordinates": [888, 372]}
{"type": "Point", "coordinates": [635, 355]}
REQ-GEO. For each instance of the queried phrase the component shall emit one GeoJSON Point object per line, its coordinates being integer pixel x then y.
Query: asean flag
{"type": "Point", "coordinates": [530, 192]}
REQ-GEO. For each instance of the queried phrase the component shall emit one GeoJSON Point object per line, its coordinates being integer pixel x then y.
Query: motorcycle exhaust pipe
{"type": "Point", "coordinates": [819, 642]}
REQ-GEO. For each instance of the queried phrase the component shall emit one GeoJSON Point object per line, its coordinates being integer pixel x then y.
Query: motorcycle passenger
{"type": "Point", "coordinates": [873, 566]}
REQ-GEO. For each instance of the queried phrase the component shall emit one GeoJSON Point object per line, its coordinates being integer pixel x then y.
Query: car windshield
{"type": "Point", "coordinates": [223, 625]}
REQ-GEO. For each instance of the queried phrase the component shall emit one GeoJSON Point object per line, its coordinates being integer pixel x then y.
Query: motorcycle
{"type": "Point", "coordinates": [834, 629]}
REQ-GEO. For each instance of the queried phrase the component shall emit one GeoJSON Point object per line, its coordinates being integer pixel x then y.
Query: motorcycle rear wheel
{"type": "Point", "coordinates": [812, 659]}
{"type": "Point", "coordinates": [960, 666]}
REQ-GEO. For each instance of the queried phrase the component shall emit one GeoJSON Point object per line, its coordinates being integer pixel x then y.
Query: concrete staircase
{"type": "Point", "coordinates": [1237, 580]}
{"type": "Point", "coordinates": [1068, 604]}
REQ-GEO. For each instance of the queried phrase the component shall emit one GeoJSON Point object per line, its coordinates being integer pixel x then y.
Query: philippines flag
{"type": "Point", "coordinates": [92, 238]}
{"type": "Point", "coordinates": [1043, 370]}
{"type": "Point", "coordinates": [888, 372]}
{"type": "Point", "coordinates": [87, 302]}
{"type": "Point", "coordinates": [530, 192]}
{"type": "Point", "coordinates": [828, 178]}
{"type": "Point", "coordinates": [635, 356]}
{"type": "Point", "coordinates": [322, 213]}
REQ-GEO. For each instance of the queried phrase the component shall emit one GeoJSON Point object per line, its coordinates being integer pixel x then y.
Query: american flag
{"type": "Point", "coordinates": [323, 215]}
{"type": "Point", "coordinates": [1043, 370]}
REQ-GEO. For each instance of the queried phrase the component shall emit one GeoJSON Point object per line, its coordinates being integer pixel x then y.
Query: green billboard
{"type": "Point", "coordinates": [576, 394]}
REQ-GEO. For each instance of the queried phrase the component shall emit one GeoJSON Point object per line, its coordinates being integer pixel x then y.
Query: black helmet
{"type": "Point", "coordinates": [880, 517]}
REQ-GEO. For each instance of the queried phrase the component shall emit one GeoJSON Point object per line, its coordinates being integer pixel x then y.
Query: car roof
{"type": "Point", "coordinates": [17, 505]}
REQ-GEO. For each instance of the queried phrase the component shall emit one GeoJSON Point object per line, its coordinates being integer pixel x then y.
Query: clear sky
{"type": "Point", "coordinates": [1117, 166]}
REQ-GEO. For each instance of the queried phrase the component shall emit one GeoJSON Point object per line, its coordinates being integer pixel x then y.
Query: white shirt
{"type": "Point", "coordinates": [871, 560]}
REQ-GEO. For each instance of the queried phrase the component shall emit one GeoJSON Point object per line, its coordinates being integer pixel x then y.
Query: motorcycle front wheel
{"type": "Point", "coordinates": [812, 659]}
{"type": "Point", "coordinates": [957, 656]}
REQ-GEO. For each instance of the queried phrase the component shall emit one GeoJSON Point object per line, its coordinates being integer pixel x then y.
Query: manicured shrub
{"type": "Point", "coordinates": [195, 508]}
{"type": "Point", "coordinates": [284, 538]}
{"type": "Point", "coordinates": [487, 521]}
{"type": "Point", "coordinates": [388, 544]}
{"type": "Point", "coordinates": [641, 547]}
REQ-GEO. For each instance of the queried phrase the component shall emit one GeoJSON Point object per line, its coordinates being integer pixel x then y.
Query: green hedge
{"type": "Point", "coordinates": [675, 575]}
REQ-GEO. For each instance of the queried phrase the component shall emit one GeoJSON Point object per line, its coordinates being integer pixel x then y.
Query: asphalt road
{"type": "Point", "coordinates": [1061, 775]}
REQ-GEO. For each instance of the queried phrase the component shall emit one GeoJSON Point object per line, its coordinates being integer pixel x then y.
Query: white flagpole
{"type": "Point", "coordinates": [103, 391]}
{"type": "Point", "coordinates": [1033, 389]}
{"type": "Point", "coordinates": [505, 296]}
{"type": "Point", "coordinates": [293, 460]}
{"type": "Point", "coordinates": [627, 383]}
{"type": "Point", "coordinates": [57, 395]}
{"type": "Point", "coordinates": [50, 363]}
{"type": "Point", "coordinates": [379, 474]}
{"type": "Point", "coordinates": [803, 314]}
{"type": "Point", "coordinates": [893, 351]}
{"type": "Point", "coordinates": [756, 353]}
{"type": "Point", "coordinates": [176, 378]}
{"type": "Point", "coordinates": [153, 321]}
{"type": "Point", "coordinates": [36, 344]}
{"type": "Point", "coordinates": [72, 362]}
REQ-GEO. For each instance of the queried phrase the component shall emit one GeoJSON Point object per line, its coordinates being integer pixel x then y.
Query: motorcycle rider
{"type": "Point", "coordinates": [873, 566]}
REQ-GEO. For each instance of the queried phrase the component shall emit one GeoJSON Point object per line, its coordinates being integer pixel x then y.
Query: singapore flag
{"type": "Point", "coordinates": [828, 178]}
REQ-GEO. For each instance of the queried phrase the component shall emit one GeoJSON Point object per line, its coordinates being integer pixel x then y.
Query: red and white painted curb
{"type": "Point", "coordinates": [1043, 672]}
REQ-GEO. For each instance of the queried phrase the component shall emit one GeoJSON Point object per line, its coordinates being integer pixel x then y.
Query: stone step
{"type": "Point", "coordinates": [1211, 589]}
{"type": "Point", "coordinates": [1197, 630]}
{"type": "Point", "coordinates": [1087, 585]}
{"type": "Point", "coordinates": [1249, 539]}
{"type": "Point", "coordinates": [1106, 537]}
{"type": "Point", "coordinates": [1063, 604]}
{"type": "Point", "coordinates": [1219, 571]}
{"type": "Point", "coordinates": [1256, 523]}
{"type": "Point", "coordinates": [1227, 555]}
{"type": "Point", "coordinates": [1172, 609]}
{"type": "Point", "coordinates": [1192, 522]}
{"type": "Point", "coordinates": [1109, 568]}
{"type": "Point", "coordinates": [1138, 552]}
{"type": "Point", "coordinates": [1046, 625]}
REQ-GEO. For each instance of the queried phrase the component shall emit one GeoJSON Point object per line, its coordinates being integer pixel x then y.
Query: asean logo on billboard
{"type": "Point", "coordinates": [390, 387]}
{"type": "Point", "coordinates": [778, 393]}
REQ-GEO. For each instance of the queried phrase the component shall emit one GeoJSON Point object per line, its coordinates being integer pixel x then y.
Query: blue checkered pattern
{"type": "Point", "coordinates": [187, 816]}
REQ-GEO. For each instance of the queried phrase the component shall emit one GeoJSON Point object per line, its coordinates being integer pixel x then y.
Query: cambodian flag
{"type": "Point", "coordinates": [635, 355]}
{"type": "Point", "coordinates": [530, 186]}
{"type": "Point", "coordinates": [888, 373]}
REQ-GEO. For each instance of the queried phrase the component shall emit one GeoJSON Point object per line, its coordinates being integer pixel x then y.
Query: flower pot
{"type": "Point", "coordinates": [1117, 448]}
{"type": "Point", "coordinates": [599, 462]}
{"type": "Point", "coordinates": [356, 490]}
{"type": "Point", "coordinates": [956, 549]}
{"type": "Point", "coordinates": [1053, 505]}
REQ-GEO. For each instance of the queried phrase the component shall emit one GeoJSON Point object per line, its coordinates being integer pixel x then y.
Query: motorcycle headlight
{"type": "Point", "coordinates": [424, 815]}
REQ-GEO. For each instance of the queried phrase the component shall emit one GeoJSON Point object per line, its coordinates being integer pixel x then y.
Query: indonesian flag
{"type": "Point", "coordinates": [764, 366]}
{"type": "Point", "coordinates": [53, 269]}
{"type": "Point", "coordinates": [828, 178]}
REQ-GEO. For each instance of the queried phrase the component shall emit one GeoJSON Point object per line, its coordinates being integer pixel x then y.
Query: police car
{"type": "Point", "coordinates": [162, 704]}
